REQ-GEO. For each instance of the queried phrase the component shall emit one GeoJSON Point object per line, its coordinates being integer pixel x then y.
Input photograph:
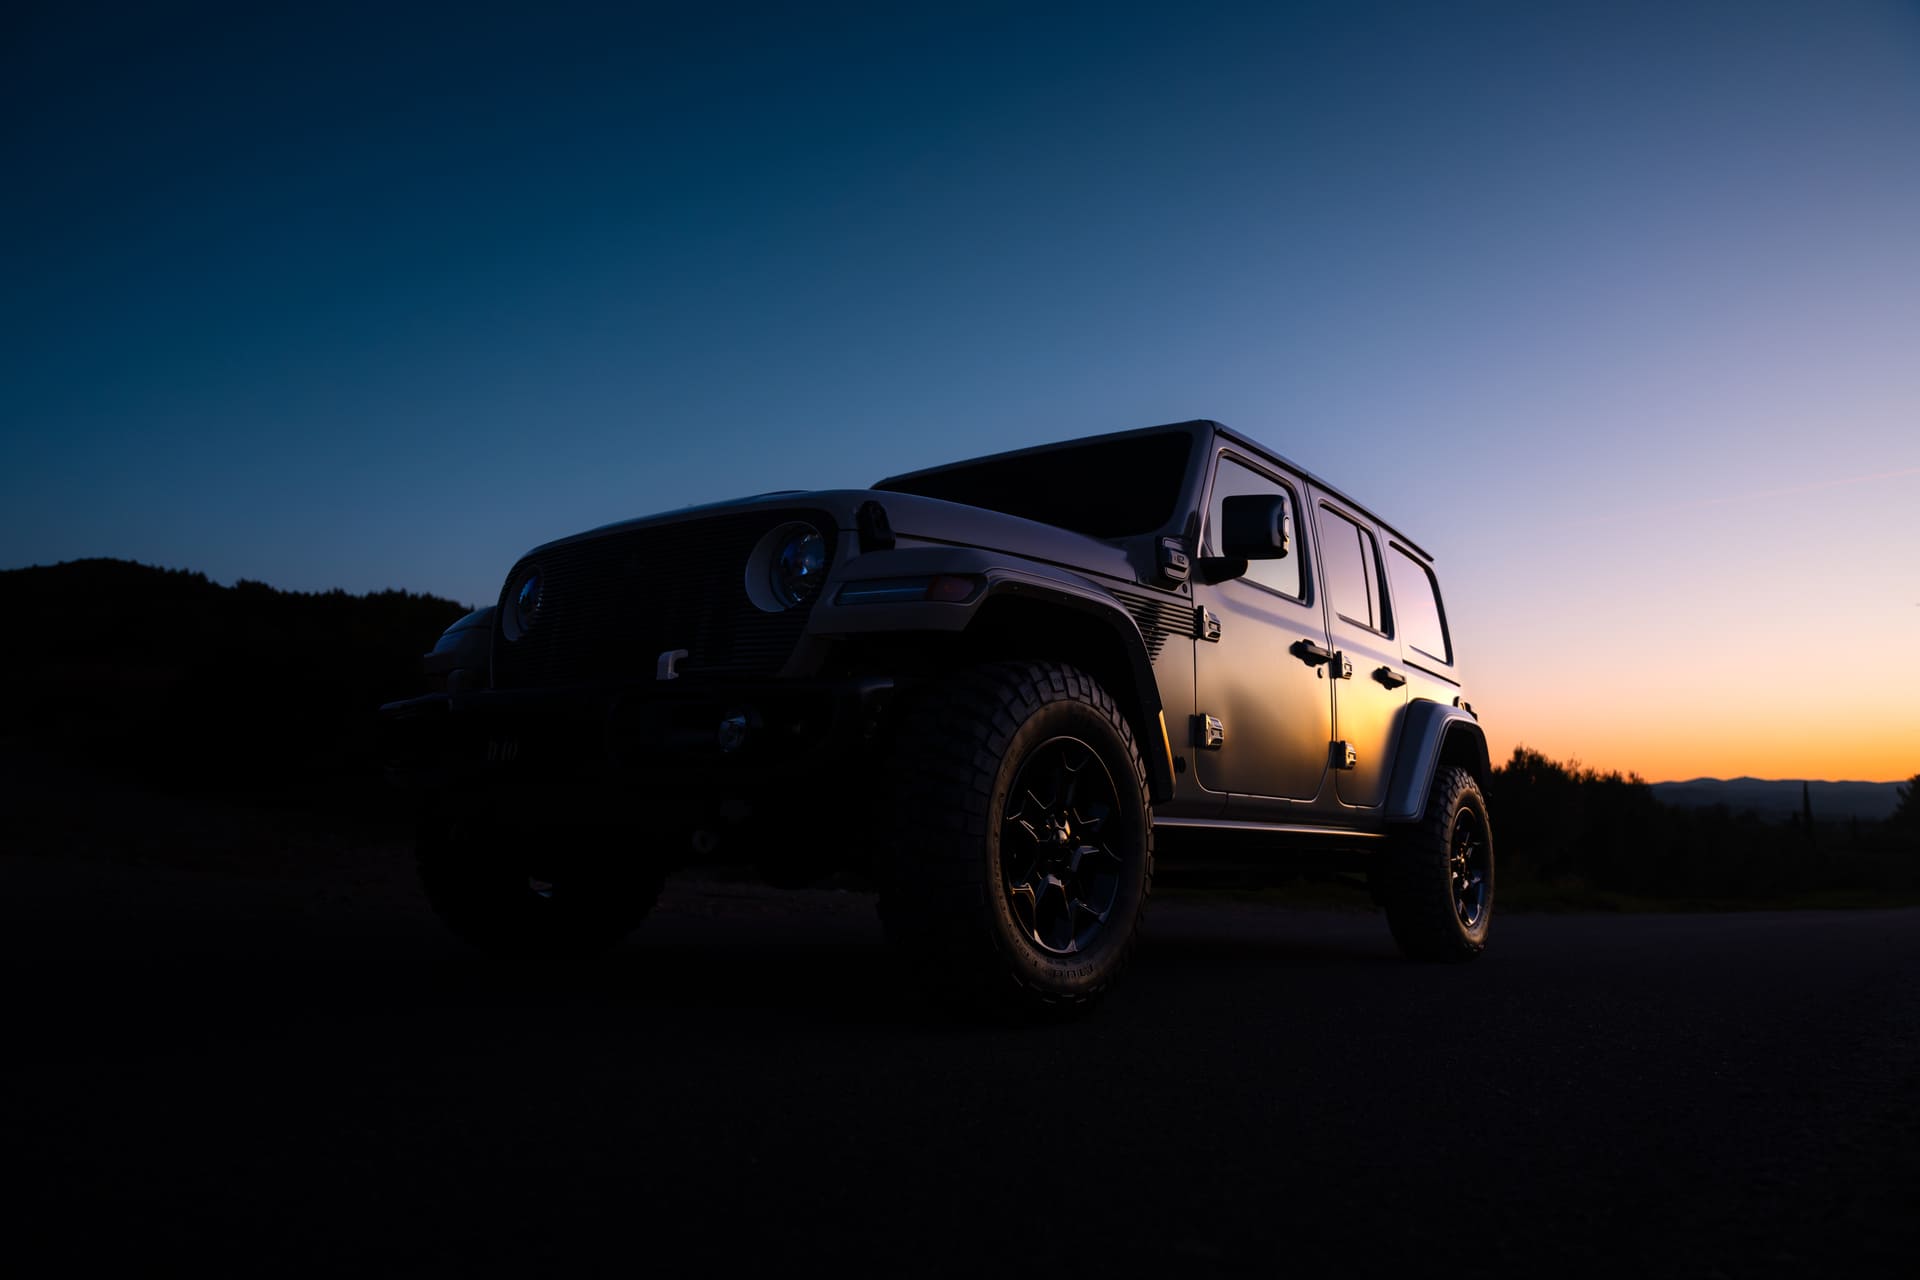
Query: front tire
{"type": "Point", "coordinates": [1017, 871]}
{"type": "Point", "coordinates": [1436, 880]}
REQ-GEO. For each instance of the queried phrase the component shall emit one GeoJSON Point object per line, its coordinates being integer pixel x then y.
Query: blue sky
{"type": "Point", "coordinates": [1615, 307]}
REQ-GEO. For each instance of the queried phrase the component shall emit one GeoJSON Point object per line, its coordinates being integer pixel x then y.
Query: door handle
{"type": "Point", "coordinates": [1314, 655]}
{"type": "Point", "coordinates": [1389, 677]}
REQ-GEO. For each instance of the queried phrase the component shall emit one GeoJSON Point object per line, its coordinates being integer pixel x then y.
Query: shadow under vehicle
{"type": "Point", "coordinates": [999, 688]}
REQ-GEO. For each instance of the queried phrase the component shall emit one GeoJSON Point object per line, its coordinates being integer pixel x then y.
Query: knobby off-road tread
{"type": "Point", "coordinates": [1415, 885]}
{"type": "Point", "coordinates": [940, 885]}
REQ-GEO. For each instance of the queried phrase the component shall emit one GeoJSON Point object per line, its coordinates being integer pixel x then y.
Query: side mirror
{"type": "Point", "coordinates": [1253, 527]}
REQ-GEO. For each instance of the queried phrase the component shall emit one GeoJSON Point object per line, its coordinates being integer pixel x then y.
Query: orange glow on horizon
{"type": "Point", "coordinates": [1769, 635]}
{"type": "Point", "coordinates": [1735, 746]}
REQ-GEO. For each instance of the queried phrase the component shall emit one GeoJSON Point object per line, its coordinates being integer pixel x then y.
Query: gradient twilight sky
{"type": "Point", "coordinates": [1614, 307]}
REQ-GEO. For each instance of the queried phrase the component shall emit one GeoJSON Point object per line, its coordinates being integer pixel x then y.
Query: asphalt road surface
{"type": "Point", "coordinates": [240, 1073]}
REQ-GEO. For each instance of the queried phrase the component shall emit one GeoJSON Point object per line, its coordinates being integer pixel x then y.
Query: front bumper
{"type": "Point", "coordinates": [690, 739]}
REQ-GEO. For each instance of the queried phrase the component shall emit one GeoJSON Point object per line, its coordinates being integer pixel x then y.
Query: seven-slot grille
{"type": "Point", "coordinates": [611, 605]}
{"type": "Point", "coordinates": [1158, 617]}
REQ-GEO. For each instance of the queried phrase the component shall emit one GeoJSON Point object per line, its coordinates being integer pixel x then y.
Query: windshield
{"type": "Point", "coordinates": [1111, 488]}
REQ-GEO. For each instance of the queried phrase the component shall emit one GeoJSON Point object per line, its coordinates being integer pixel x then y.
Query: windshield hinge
{"type": "Point", "coordinates": [1173, 560]}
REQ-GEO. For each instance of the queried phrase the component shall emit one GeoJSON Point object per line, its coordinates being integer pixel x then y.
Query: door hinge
{"type": "Point", "coordinates": [1208, 733]}
{"type": "Point", "coordinates": [1344, 756]}
{"type": "Point", "coordinates": [1206, 623]}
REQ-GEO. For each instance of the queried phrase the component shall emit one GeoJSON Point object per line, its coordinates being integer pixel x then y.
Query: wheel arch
{"type": "Point", "coordinates": [1026, 620]}
{"type": "Point", "coordinates": [1023, 610]}
{"type": "Point", "coordinates": [1434, 736]}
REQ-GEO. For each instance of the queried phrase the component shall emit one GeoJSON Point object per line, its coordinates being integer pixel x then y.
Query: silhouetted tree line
{"type": "Point", "coordinates": [163, 674]}
{"type": "Point", "coordinates": [1563, 823]}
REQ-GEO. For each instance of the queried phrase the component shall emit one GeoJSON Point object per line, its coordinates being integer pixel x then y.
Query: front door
{"type": "Point", "coordinates": [1261, 685]}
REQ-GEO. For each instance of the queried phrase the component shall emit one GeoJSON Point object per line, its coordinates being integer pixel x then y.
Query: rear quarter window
{"type": "Point", "coordinates": [1423, 623]}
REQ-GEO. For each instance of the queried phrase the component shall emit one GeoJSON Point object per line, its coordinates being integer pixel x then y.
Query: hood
{"type": "Point", "coordinates": [912, 518]}
{"type": "Point", "coordinates": [936, 520]}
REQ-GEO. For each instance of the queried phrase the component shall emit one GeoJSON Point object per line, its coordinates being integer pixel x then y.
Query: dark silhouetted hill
{"type": "Point", "coordinates": [181, 680]}
{"type": "Point", "coordinates": [1780, 799]}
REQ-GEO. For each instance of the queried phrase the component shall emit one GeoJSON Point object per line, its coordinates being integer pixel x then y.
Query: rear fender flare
{"type": "Point", "coordinates": [1432, 732]}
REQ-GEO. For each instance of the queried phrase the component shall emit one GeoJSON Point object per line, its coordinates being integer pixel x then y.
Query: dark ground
{"type": "Point", "coordinates": [272, 1058]}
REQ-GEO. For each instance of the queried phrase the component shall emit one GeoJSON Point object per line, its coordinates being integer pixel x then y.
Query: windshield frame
{"type": "Point", "coordinates": [1174, 521]}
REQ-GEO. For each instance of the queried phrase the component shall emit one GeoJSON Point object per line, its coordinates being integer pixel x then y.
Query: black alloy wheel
{"type": "Point", "coordinates": [1470, 863]}
{"type": "Point", "coordinates": [1059, 869]}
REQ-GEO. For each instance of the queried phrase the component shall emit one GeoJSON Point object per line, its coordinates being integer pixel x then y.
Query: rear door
{"type": "Point", "coordinates": [1369, 686]}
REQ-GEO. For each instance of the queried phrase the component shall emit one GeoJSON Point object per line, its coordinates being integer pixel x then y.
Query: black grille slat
{"type": "Point", "coordinates": [612, 604]}
{"type": "Point", "coordinates": [1158, 618]}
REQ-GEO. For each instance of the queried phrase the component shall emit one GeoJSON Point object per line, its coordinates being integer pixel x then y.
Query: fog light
{"type": "Point", "coordinates": [733, 732]}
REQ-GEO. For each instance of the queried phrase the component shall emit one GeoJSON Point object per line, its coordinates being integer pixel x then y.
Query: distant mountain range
{"type": "Point", "coordinates": [1777, 798]}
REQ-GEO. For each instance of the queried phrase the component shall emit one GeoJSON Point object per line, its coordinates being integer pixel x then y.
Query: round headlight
{"type": "Point", "coordinates": [523, 604]}
{"type": "Point", "coordinates": [799, 563]}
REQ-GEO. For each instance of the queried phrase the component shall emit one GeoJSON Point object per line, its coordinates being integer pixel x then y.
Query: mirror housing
{"type": "Point", "coordinates": [1212, 569]}
{"type": "Point", "coordinates": [1254, 527]}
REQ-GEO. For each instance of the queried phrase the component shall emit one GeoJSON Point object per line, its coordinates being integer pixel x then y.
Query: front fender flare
{"type": "Point", "coordinates": [1005, 579]}
{"type": "Point", "coordinates": [1156, 749]}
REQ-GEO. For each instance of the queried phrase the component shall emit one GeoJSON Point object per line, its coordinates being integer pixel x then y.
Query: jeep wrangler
{"type": "Point", "coordinates": [992, 687]}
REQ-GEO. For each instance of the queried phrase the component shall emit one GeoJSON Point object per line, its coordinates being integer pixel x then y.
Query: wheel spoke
{"type": "Point", "coordinates": [1025, 905]}
{"type": "Point", "coordinates": [1089, 821]}
{"type": "Point", "coordinates": [1033, 811]}
{"type": "Point", "coordinates": [1058, 915]}
{"type": "Point", "coordinates": [1079, 908]}
{"type": "Point", "coordinates": [1069, 782]}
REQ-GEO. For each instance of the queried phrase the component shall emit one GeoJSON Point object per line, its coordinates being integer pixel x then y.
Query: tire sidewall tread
{"type": "Point", "coordinates": [961, 742]}
{"type": "Point", "coordinates": [1414, 884]}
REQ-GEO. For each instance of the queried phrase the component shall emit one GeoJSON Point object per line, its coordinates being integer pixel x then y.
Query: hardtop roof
{"type": "Point", "coordinates": [1196, 426]}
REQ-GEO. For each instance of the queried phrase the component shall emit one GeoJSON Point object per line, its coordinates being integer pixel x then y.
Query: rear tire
{"type": "Point", "coordinates": [505, 896]}
{"type": "Point", "coordinates": [1436, 880]}
{"type": "Point", "coordinates": [1017, 871]}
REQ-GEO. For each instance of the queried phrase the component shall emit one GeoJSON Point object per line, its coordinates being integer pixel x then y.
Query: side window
{"type": "Point", "coordinates": [1353, 572]}
{"type": "Point", "coordinates": [1422, 620]}
{"type": "Point", "coordinates": [1234, 478]}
